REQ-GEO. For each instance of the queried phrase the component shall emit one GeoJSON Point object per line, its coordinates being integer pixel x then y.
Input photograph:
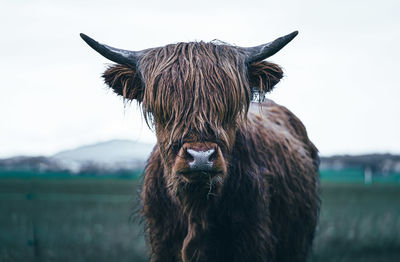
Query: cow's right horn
{"type": "Point", "coordinates": [119, 56]}
{"type": "Point", "coordinates": [261, 52]}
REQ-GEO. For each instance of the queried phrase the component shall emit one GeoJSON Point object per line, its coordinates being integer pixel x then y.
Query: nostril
{"type": "Point", "coordinates": [213, 155]}
{"type": "Point", "coordinates": [188, 156]}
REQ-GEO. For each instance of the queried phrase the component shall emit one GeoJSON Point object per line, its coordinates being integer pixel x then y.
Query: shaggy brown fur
{"type": "Point", "coordinates": [263, 204]}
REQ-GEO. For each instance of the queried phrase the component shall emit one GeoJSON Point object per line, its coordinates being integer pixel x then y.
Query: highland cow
{"type": "Point", "coordinates": [226, 181]}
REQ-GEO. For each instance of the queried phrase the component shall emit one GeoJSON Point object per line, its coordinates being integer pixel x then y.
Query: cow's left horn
{"type": "Point", "coordinates": [120, 56]}
{"type": "Point", "coordinates": [261, 52]}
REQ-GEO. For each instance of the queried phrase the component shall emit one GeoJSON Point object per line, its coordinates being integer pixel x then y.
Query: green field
{"type": "Point", "coordinates": [89, 219]}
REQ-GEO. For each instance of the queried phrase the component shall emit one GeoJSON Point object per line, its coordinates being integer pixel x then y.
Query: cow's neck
{"type": "Point", "coordinates": [193, 248]}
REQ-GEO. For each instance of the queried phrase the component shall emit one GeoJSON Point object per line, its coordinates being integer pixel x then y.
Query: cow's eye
{"type": "Point", "coordinates": [175, 148]}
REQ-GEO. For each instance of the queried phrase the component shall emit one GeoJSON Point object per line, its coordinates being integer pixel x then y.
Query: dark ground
{"type": "Point", "coordinates": [77, 219]}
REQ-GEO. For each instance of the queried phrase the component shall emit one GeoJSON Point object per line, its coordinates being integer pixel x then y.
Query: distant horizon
{"type": "Point", "coordinates": [154, 143]}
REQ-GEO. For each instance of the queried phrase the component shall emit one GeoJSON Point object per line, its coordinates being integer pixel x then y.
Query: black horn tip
{"type": "Point", "coordinates": [120, 56]}
{"type": "Point", "coordinates": [90, 41]}
{"type": "Point", "coordinates": [83, 36]}
{"type": "Point", "coordinates": [261, 52]}
{"type": "Point", "coordinates": [292, 35]}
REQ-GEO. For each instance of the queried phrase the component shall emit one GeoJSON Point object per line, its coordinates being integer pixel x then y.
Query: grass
{"type": "Point", "coordinates": [88, 219]}
{"type": "Point", "coordinates": [69, 220]}
{"type": "Point", "coordinates": [358, 223]}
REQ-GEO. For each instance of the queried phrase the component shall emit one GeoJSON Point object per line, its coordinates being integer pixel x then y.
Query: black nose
{"type": "Point", "coordinates": [201, 160]}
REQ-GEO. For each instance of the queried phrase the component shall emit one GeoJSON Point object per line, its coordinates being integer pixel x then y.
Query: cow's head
{"type": "Point", "coordinates": [196, 95]}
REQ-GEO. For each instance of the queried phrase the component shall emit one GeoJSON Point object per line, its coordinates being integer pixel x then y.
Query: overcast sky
{"type": "Point", "coordinates": [341, 71]}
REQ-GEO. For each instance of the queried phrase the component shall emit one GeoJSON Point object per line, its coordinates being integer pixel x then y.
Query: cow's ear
{"type": "Point", "coordinates": [125, 81]}
{"type": "Point", "coordinates": [263, 76]}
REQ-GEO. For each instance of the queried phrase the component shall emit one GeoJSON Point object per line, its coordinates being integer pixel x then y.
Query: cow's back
{"type": "Point", "coordinates": [291, 163]}
{"type": "Point", "coordinates": [281, 127]}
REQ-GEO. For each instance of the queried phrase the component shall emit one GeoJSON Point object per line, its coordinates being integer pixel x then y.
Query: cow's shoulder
{"type": "Point", "coordinates": [277, 126]}
{"type": "Point", "coordinates": [275, 117]}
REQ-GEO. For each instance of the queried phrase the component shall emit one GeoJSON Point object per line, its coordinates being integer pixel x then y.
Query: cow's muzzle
{"type": "Point", "coordinates": [199, 161]}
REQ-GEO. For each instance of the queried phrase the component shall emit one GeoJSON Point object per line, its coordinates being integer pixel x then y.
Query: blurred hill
{"type": "Point", "coordinates": [111, 156]}
{"type": "Point", "coordinates": [106, 157]}
{"type": "Point", "coordinates": [122, 156]}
